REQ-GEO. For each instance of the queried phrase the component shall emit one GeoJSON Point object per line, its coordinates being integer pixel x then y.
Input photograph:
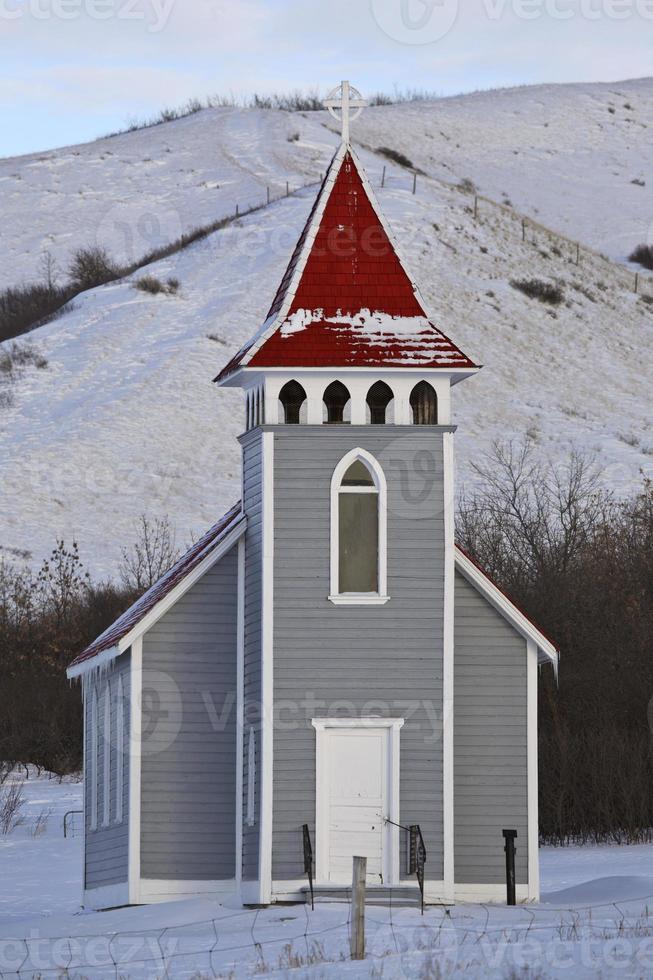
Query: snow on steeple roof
{"type": "Point", "coordinates": [346, 299]}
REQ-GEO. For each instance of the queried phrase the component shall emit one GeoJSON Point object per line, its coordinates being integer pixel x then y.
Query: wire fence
{"type": "Point", "coordinates": [267, 941]}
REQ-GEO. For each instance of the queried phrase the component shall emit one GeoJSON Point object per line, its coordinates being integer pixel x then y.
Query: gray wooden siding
{"type": "Point", "coordinates": [253, 508]}
{"type": "Point", "coordinates": [490, 748]}
{"type": "Point", "coordinates": [106, 853]}
{"type": "Point", "coordinates": [188, 771]}
{"type": "Point", "coordinates": [354, 660]}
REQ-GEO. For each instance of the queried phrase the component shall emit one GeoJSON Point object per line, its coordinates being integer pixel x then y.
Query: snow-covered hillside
{"type": "Point", "coordinates": [124, 418]}
{"type": "Point", "coordinates": [565, 154]}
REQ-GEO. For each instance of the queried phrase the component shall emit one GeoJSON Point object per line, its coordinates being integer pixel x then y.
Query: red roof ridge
{"type": "Point", "coordinates": [156, 592]}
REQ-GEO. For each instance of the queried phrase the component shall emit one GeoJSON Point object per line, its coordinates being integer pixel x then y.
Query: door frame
{"type": "Point", "coordinates": [391, 727]}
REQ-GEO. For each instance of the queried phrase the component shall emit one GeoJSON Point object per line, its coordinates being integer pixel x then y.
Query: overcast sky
{"type": "Point", "coordinates": [71, 70]}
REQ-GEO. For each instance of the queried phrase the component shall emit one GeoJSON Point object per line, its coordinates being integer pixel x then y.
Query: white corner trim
{"type": "Point", "coordinates": [380, 483]}
{"type": "Point", "coordinates": [532, 755]}
{"type": "Point", "coordinates": [266, 748]}
{"type": "Point", "coordinates": [240, 709]}
{"type": "Point", "coordinates": [448, 816]}
{"type": "Point", "coordinates": [106, 897]}
{"type": "Point", "coordinates": [391, 849]}
{"type": "Point", "coordinates": [503, 605]}
{"type": "Point", "coordinates": [134, 802]}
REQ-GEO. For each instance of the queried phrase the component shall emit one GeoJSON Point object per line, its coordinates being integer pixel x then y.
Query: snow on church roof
{"type": "Point", "coordinates": [124, 625]}
{"type": "Point", "coordinates": [346, 299]}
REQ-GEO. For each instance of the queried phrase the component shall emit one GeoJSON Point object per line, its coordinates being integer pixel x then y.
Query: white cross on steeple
{"type": "Point", "coordinates": [345, 98]}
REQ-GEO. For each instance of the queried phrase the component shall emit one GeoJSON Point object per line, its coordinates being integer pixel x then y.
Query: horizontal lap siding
{"type": "Point", "coordinates": [188, 787]}
{"type": "Point", "coordinates": [252, 506]}
{"type": "Point", "coordinates": [106, 855]}
{"type": "Point", "coordinates": [333, 660]}
{"type": "Point", "coordinates": [490, 761]}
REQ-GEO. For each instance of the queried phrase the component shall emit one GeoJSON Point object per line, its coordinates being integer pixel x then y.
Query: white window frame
{"type": "Point", "coordinates": [120, 750]}
{"type": "Point", "coordinates": [250, 811]}
{"type": "Point", "coordinates": [106, 758]}
{"type": "Point", "coordinates": [93, 775]}
{"type": "Point", "coordinates": [380, 488]}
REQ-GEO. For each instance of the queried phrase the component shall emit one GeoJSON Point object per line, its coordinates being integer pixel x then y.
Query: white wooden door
{"type": "Point", "coordinates": [357, 798]}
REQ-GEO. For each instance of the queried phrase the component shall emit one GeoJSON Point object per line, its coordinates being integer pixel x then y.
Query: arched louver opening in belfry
{"type": "Point", "coordinates": [378, 398]}
{"type": "Point", "coordinates": [336, 400]}
{"type": "Point", "coordinates": [424, 404]}
{"type": "Point", "coordinates": [292, 396]}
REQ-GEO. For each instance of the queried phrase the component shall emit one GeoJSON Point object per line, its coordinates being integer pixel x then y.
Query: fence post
{"type": "Point", "coordinates": [577, 253]}
{"type": "Point", "coordinates": [236, 210]}
{"type": "Point", "coordinates": [357, 946]}
{"type": "Point", "coordinates": [475, 206]}
{"type": "Point", "coordinates": [287, 188]}
{"type": "Point", "coordinates": [523, 229]}
{"type": "Point", "coordinates": [268, 190]}
{"type": "Point", "coordinates": [414, 182]}
{"type": "Point", "coordinates": [637, 282]}
{"type": "Point", "coordinates": [383, 178]}
{"type": "Point", "coordinates": [509, 848]}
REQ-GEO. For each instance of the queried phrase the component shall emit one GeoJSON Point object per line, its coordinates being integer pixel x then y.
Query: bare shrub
{"type": "Point", "coordinates": [467, 186]}
{"type": "Point", "coordinates": [92, 266]}
{"type": "Point", "coordinates": [23, 308]}
{"type": "Point", "coordinates": [545, 292]}
{"type": "Point", "coordinates": [40, 825]}
{"type": "Point", "coordinates": [12, 802]}
{"type": "Point", "coordinates": [643, 255]}
{"type": "Point", "coordinates": [172, 285]}
{"type": "Point", "coordinates": [150, 284]}
{"type": "Point", "coordinates": [396, 156]}
{"type": "Point", "coordinates": [151, 555]}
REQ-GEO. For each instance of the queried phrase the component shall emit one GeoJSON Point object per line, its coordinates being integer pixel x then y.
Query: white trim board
{"type": "Point", "coordinates": [265, 801]}
{"type": "Point", "coordinates": [134, 802]}
{"type": "Point", "coordinates": [164, 604]}
{"type": "Point", "coordinates": [448, 815]}
{"type": "Point", "coordinates": [154, 890]}
{"type": "Point", "coordinates": [240, 709]}
{"type": "Point", "coordinates": [506, 608]}
{"type": "Point", "coordinates": [532, 778]}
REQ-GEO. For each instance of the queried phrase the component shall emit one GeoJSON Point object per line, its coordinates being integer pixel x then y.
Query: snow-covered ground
{"type": "Point", "coordinates": [594, 921]}
{"type": "Point", "coordinates": [124, 419]}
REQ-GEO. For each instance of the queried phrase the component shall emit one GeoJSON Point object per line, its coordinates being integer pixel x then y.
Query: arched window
{"type": "Point", "coordinates": [358, 530]}
{"type": "Point", "coordinates": [336, 399]}
{"type": "Point", "coordinates": [378, 398]}
{"type": "Point", "coordinates": [424, 404]}
{"type": "Point", "coordinates": [292, 396]}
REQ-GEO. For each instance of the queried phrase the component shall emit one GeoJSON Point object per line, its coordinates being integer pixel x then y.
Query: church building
{"type": "Point", "coordinates": [325, 673]}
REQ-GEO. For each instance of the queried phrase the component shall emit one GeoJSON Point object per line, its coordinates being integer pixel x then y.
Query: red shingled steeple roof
{"type": "Point", "coordinates": [346, 299]}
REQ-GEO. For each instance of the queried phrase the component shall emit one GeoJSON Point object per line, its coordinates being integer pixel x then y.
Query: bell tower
{"type": "Point", "coordinates": [349, 551]}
